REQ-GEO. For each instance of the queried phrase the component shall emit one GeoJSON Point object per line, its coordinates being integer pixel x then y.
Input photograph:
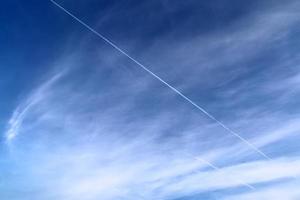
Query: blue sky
{"type": "Point", "coordinates": [79, 120]}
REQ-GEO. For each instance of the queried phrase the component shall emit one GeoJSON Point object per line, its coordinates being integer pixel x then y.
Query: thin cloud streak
{"type": "Point", "coordinates": [21, 111]}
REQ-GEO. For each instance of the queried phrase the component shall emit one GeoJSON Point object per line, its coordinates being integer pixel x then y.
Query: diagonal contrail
{"type": "Point", "coordinates": [164, 82]}
{"type": "Point", "coordinates": [219, 170]}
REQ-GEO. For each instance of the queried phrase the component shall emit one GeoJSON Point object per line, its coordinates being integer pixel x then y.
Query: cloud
{"type": "Point", "coordinates": [277, 192]}
{"type": "Point", "coordinates": [103, 154]}
{"type": "Point", "coordinates": [21, 111]}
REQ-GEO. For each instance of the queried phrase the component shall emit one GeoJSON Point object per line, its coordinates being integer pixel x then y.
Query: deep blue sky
{"type": "Point", "coordinates": [82, 121]}
{"type": "Point", "coordinates": [33, 31]}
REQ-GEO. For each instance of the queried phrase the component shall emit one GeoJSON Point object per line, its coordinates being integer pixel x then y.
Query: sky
{"type": "Point", "coordinates": [79, 119]}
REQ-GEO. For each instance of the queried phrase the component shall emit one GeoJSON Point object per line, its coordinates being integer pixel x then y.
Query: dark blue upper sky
{"type": "Point", "coordinates": [32, 32]}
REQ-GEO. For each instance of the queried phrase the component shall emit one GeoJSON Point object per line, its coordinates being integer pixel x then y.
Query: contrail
{"type": "Point", "coordinates": [162, 81]}
{"type": "Point", "coordinates": [219, 170]}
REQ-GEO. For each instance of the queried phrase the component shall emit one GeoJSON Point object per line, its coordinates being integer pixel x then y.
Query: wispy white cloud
{"type": "Point", "coordinates": [113, 158]}
{"type": "Point", "coordinates": [277, 192]}
{"type": "Point", "coordinates": [21, 111]}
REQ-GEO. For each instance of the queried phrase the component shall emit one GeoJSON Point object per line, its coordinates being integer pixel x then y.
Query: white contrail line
{"type": "Point", "coordinates": [164, 82]}
{"type": "Point", "coordinates": [172, 88]}
{"type": "Point", "coordinates": [219, 170]}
